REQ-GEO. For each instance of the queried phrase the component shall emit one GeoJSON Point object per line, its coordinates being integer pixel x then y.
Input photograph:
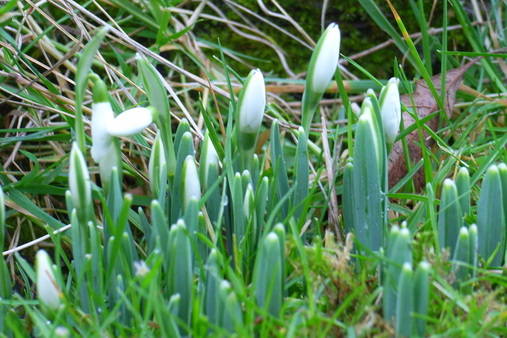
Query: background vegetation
{"type": "Point", "coordinates": [197, 43]}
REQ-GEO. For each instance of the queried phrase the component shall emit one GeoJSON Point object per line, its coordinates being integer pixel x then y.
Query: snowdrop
{"type": "Point", "coordinates": [321, 70]}
{"type": "Point", "coordinates": [47, 287]}
{"type": "Point", "coordinates": [105, 149]}
{"type": "Point", "coordinates": [252, 102]}
{"type": "Point", "coordinates": [102, 116]}
{"type": "Point", "coordinates": [390, 109]}
{"type": "Point", "coordinates": [131, 121]}
{"type": "Point", "coordinates": [324, 59]}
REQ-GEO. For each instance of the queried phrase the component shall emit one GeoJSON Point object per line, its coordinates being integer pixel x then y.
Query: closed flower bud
{"type": "Point", "coordinates": [390, 109]}
{"type": "Point", "coordinates": [157, 168]}
{"type": "Point", "coordinates": [366, 119]}
{"type": "Point", "coordinates": [132, 121]}
{"type": "Point", "coordinates": [249, 202]}
{"type": "Point", "coordinates": [321, 70]}
{"type": "Point", "coordinates": [191, 184]}
{"type": "Point", "coordinates": [79, 182]}
{"type": "Point", "coordinates": [252, 102]}
{"type": "Point", "coordinates": [324, 59]}
{"type": "Point", "coordinates": [48, 291]}
{"type": "Point", "coordinates": [209, 158]}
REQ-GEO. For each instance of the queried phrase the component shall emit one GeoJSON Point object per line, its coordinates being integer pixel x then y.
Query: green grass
{"type": "Point", "coordinates": [287, 266]}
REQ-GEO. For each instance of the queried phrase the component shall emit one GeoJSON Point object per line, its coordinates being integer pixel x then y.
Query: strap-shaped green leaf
{"type": "Point", "coordinates": [83, 69]}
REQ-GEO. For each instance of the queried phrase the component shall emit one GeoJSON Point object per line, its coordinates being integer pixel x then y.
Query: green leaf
{"type": "Point", "coordinates": [83, 69]}
{"type": "Point", "coordinates": [421, 297]}
{"type": "Point", "coordinates": [180, 269]}
{"type": "Point", "coordinates": [302, 174]}
{"type": "Point", "coordinates": [267, 278]}
{"type": "Point", "coordinates": [462, 255]}
{"type": "Point", "coordinates": [405, 302]}
{"type": "Point", "coordinates": [399, 252]}
{"type": "Point", "coordinates": [463, 186]}
{"type": "Point", "coordinates": [490, 218]}
{"type": "Point", "coordinates": [158, 98]}
{"type": "Point", "coordinates": [8, 6]}
{"type": "Point", "coordinates": [450, 216]}
{"type": "Point", "coordinates": [280, 179]}
{"type": "Point", "coordinates": [212, 306]}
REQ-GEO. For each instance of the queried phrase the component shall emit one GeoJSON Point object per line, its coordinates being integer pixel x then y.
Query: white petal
{"type": "Point", "coordinates": [328, 49]}
{"type": "Point", "coordinates": [253, 103]}
{"type": "Point", "coordinates": [390, 109]}
{"type": "Point", "coordinates": [131, 122]}
{"type": "Point", "coordinates": [107, 163]}
{"type": "Point", "coordinates": [102, 115]}
{"type": "Point", "coordinates": [47, 289]}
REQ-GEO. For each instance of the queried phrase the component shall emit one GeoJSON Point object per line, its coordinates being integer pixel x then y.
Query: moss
{"type": "Point", "coordinates": [359, 32]}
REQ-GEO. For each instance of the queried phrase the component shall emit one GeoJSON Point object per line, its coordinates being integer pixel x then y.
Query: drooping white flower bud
{"type": "Point", "coordinates": [324, 59]}
{"type": "Point", "coordinates": [131, 121]}
{"type": "Point", "coordinates": [191, 184]}
{"type": "Point", "coordinates": [252, 102]}
{"type": "Point", "coordinates": [102, 116]}
{"type": "Point", "coordinates": [321, 70]}
{"type": "Point", "coordinates": [48, 291]}
{"type": "Point", "coordinates": [390, 109]}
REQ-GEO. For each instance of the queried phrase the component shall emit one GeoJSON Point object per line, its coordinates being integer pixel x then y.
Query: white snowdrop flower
{"type": "Point", "coordinates": [102, 117]}
{"type": "Point", "coordinates": [252, 102]}
{"type": "Point", "coordinates": [390, 109]}
{"type": "Point", "coordinates": [324, 59]}
{"type": "Point", "coordinates": [131, 121]}
{"type": "Point", "coordinates": [47, 287]}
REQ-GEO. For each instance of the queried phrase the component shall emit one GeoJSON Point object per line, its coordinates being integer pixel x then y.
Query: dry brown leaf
{"type": "Point", "coordinates": [425, 104]}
